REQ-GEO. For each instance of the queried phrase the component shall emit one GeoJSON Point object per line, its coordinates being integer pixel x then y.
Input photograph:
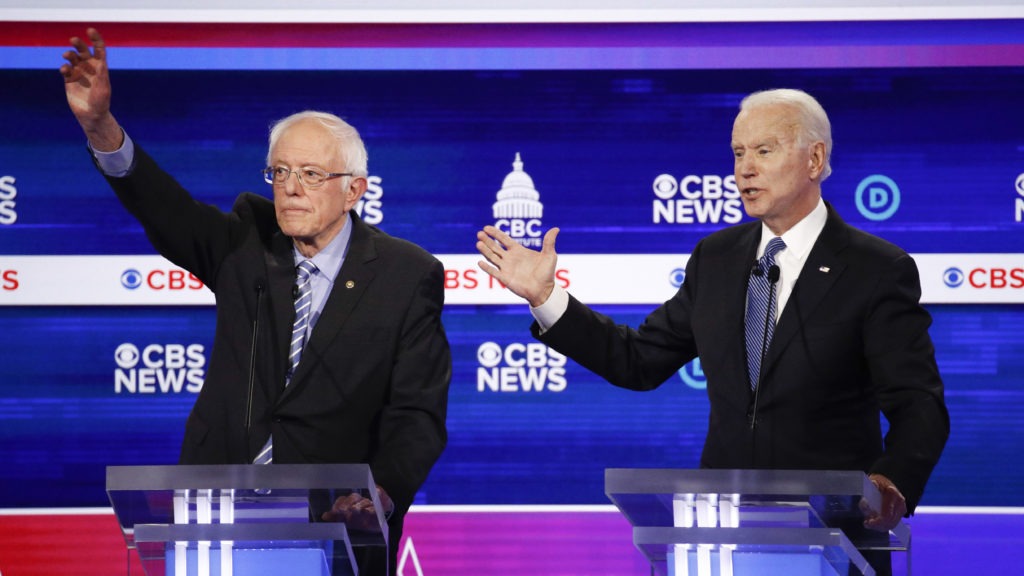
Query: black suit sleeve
{"type": "Point", "coordinates": [637, 359]}
{"type": "Point", "coordinates": [190, 234]}
{"type": "Point", "coordinates": [903, 372]}
{"type": "Point", "coordinates": [412, 431]}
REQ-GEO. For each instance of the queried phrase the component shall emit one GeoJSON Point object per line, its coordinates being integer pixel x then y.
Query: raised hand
{"type": "Point", "coordinates": [527, 273]}
{"type": "Point", "coordinates": [87, 86]}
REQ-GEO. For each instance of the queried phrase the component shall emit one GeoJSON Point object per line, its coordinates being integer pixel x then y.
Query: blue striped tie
{"type": "Point", "coordinates": [303, 310]}
{"type": "Point", "coordinates": [761, 304]}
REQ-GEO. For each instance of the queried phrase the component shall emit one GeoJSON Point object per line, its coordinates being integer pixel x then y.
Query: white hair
{"type": "Point", "coordinates": [350, 145]}
{"type": "Point", "coordinates": [814, 124]}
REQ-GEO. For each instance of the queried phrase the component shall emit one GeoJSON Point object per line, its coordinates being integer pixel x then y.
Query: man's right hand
{"type": "Point", "coordinates": [527, 273]}
{"type": "Point", "coordinates": [87, 86]}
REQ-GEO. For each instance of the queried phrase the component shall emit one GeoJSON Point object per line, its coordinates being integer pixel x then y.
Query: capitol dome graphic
{"type": "Point", "coordinates": [518, 198]}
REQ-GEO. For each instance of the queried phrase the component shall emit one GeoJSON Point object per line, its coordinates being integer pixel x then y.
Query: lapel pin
{"type": "Point", "coordinates": [824, 269]}
{"type": "Point", "coordinates": [350, 284]}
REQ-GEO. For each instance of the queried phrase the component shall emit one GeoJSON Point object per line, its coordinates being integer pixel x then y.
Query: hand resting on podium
{"type": "Point", "coordinates": [894, 506]}
{"type": "Point", "coordinates": [358, 512]}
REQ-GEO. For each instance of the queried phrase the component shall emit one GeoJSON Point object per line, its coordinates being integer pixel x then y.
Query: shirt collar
{"type": "Point", "coordinates": [801, 237]}
{"type": "Point", "coordinates": [330, 259]}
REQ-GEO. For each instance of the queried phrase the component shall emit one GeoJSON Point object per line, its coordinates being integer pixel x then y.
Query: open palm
{"type": "Point", "coordinates": [527, 273]}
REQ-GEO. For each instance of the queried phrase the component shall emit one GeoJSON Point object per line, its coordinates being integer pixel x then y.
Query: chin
{"type": "Point", "coordinates": [751, 210]}
{"type": "Point", "coordinates": [292, 227]}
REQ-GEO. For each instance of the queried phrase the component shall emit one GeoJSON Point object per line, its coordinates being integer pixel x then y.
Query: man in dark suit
{"type": "Point", "coordinates": [370, 383]}
{"type": "Point", "coordinates": [850, 337]}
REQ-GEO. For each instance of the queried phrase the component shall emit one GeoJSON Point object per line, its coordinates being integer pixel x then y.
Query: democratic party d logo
{"type": "Point", "coordinates": [877, 197]}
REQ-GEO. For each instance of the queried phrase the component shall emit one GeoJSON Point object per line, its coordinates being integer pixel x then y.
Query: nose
{"type": "Point", "coordinates": [292, 186]}
{"type": "Point", "coordinates": [745, 166]}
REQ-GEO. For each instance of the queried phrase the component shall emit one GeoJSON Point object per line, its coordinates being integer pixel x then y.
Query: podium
{"type": "Point", "coordinates": [241, 519]}
{"type": "Point", "coordinates": [743, 522]}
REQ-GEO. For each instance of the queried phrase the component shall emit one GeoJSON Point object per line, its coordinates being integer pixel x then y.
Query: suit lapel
{"type": "Point", "coordinates": [821, 270]}
{"type": "Point", "coordinates": [351, 283]}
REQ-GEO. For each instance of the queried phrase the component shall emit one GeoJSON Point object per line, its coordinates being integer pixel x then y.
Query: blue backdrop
{"type": "Point", "coordinates": [595, 142]}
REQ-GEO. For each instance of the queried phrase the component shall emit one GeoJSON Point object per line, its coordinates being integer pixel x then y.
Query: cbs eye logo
{"type": "Point", "coordinates": [131, 279]}
{"type": "Point", "coordinates": [677, 277]}
{"type": "Point", "coordinates": [489, 354]}
{"type": "Point", "coordinates": [127, 356]}
{"type": "Point", "coordinates": [953, 277]}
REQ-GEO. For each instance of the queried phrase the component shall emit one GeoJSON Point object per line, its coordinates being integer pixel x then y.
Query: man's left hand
{"type": "Point", "coordinates": [357, 511]}
{"type": "Point", "coordinates": [894, 506]}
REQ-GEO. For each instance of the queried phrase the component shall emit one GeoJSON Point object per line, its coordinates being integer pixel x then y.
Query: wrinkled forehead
{"type": "Point", "coordinates": [766, 123]}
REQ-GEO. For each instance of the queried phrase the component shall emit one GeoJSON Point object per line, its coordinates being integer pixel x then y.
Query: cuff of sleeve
{"type": "Point", "coordinates": [552, 309]}
{"type": "Point", "coordinates": [118, 163]}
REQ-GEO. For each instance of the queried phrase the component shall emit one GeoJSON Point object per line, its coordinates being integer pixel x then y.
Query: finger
{"type": "Point", "coordinates": [80, 47]}
{"type": "Point", "coordinates": [71, 56]}
{"type": "Point", "coordinates": [897, 504]}
{"type": "Point", "coordinates": [490, 270]}
{"type": "Point", "coordinates": [489, 245]}
{"type": "Point", "coordinates": [500, 238]}
{"type": "Point", "coordinates": [495, 252]}
{"type": "Point", "coordinates": [99, 48]}
{"type": "Point", "coordinates": [487, 252]}
{"type": "Point", "coordinates": [343, 503]}
{"type": "Point", "coordinates": [487, 237]}
{"type": "Point", "coordinates": [876, 524]}
{"type": "Point", "coordinates": [549, 241]}
{"type": "Point", "coordinates": [485, 245]}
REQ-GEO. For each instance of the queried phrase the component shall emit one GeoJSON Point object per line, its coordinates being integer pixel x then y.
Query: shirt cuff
{"type": "Point", "coordinates": [118, 163]}
{"type": "Point", "coordinates": [552, 309]}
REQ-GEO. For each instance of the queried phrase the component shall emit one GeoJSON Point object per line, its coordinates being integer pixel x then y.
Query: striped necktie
{"type": "Point", "coordinates": [303, 311]}
{"type": "Point", "coordinates": [761, 305]}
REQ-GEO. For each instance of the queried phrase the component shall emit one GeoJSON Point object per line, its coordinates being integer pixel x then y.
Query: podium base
{"type": "Point", "coordinates": [756, 563]}
{"type": "Point", "coordinates": [262, 561]}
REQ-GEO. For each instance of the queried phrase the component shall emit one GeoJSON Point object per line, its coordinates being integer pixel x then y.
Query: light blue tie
{"type": "Point", "coordinates": [303, 310]}
{"type": "Point", "coordinates": [761, 305]}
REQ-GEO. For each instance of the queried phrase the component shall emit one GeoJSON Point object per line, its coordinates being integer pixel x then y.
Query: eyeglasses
{"type": "Point", "coordinates": [308, 176]}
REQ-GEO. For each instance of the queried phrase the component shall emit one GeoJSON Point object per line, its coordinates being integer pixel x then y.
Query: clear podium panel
{"type": "Point", "coordinates": [265, 549]}
{"type": "Point", "coordinates": [221, 517]}
{"type": "Point", "coordinates": [757, 551]}
{"type": "Point", "coordinates": [752, 499]}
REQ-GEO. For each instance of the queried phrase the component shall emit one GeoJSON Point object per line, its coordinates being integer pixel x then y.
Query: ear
{"type": "Point", "coordinates": [816, 160]}
{"type": "Point", "coordinates": [355, 190]}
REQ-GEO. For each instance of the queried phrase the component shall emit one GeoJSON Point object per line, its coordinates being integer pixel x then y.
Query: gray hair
{"type": "Point", "coordinates": [814, 123]}
{"type": "Point", "coordinates": [350, 145]}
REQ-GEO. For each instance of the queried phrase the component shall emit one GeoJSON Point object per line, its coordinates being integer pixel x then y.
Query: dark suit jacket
{"type": "Point", "coordinates": [851, 341]}
{"type": "Point", "coordinates": [372, 385]}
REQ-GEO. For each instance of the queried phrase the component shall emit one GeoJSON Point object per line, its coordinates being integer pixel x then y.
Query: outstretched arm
{"type": "Point", "coordinates": [87, 86]}
{"type": "Point", "coordinates": [527, 273]}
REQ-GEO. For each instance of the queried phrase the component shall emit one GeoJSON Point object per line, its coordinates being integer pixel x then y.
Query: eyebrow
{"type": "Point", "coordinates": [774, 141]}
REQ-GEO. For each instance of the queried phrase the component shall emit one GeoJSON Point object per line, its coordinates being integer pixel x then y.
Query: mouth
{"type": "Point", "coordinates": [751, 192]}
